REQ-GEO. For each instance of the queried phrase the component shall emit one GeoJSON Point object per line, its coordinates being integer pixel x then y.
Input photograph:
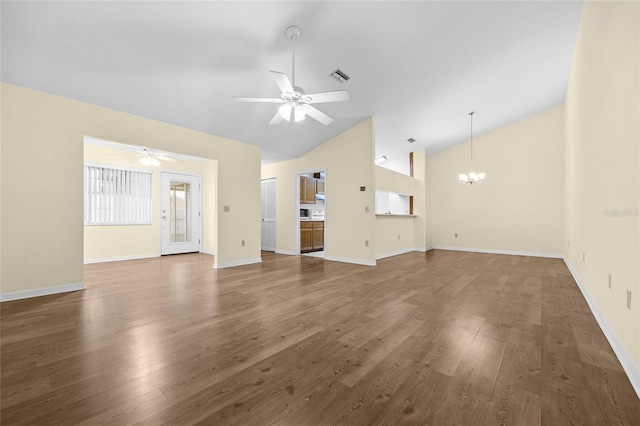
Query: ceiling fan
{"type": "Point", "coordinates": [149, 157]}
{"type": "Point", "coordinates": [153, 158]}
{"type": "Point", "coordinates": [296, 103]}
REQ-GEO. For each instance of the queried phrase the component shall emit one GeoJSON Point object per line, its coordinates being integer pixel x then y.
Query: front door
{"type": "Point", "coordinates": [180, 213]}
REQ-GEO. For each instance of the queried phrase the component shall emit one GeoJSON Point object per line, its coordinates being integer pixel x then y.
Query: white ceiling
{"type": "Point", "coordinates": [417, 67]}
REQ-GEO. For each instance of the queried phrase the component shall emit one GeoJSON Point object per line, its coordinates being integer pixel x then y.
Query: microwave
{"type": "Point", "coordinates": [305, 214]}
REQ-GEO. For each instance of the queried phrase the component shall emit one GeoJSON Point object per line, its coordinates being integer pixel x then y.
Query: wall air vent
{"type": "Point", "coordinates": [340, 76]}
{"type": "Point", "coordinates": [411, 140]}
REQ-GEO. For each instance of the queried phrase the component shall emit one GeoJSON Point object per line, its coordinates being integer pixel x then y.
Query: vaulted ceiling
{"type": "Point", "coordinates": [417, 67]}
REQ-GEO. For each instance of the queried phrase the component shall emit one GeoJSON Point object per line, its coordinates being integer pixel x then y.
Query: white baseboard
{"type": "Point", "coordinates": [217, 265]}
{"type": "Point", "coordinates": [287, 252]}
{"type": "Point", "coordinates": [354, 261]}
{"type": "Point", "coordinates": [208, 252]}
{"type": "Point", "coordinates": [118, 259]}
{"type": "Point", "coordinates": [394, 253]}
{"type": "Point", "coordinates": [37, 292]}
{"type": "Point", "coordinates": [509, 252]}
{"type": "Point", "coordinates": [423, 249]}
{"type": "Point", "coordinates": [403, 251]}
{"type": "Point", "coordinates": [625, 360]}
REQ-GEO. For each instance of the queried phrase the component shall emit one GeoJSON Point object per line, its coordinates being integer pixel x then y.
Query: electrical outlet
{"type": "Point", "coordinates": [609, 281]}
{"type": "Point", "coordinates": [628, 299]}
{"type": "Point", "coordinates": [455, 235]}
{"type": "Point", "coordinates": [366, 243]}
{"type": "Point", "coordinates": [366, 209]}
{"type": "Point", "coordinates": [242, 243]}
{"type": "Point", "coordinates": [227, 209]}
{"type": "Point", "coordinates": [398, 236]}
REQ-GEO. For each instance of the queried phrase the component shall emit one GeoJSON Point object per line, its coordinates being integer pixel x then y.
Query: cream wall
{"type": "Point", "coordinates": [519, 207]}
{"type": "Point", "coordinates": [422, 202]}
{"type": "Point", "coordinates": [394, 235]}
{"type": "Point", "coordinates": [602, 171]}
{"type": "Point", "coordinates": [103, 243]}
{"type": "Point", "coordinates": [389, 180]}
{"type": "Point", "coordinates": [397, 234]}
{"type": "Point", "coordinates": [42, 184]}
{"type": "Point", "coordinates": [348, 162]}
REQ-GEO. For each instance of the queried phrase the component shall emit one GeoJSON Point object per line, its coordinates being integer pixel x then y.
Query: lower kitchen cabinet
{"type": "Point", "coordinates": [311, 236]}
{"type": "Point", "coordinates": [318, 237]}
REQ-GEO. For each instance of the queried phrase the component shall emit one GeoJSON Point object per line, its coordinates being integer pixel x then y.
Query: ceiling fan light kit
{"type": "Point", "coordinates": [149, 161]}
{"type": "Point", "coordinates": [296, 103]}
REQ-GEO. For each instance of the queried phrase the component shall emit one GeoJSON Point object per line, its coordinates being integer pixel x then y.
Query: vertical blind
{"type": "Point", "coordinates": [114, 196]}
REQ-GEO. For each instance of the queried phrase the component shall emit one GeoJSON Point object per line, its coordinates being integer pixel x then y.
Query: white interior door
{"type": "Point", "coordinates": [268, 223]}
{"type": "Point", "coordinates": [180, 213]}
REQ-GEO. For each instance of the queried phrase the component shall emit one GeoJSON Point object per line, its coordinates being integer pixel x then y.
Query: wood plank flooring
{"type": "Point", "coordinates": [441, 338]}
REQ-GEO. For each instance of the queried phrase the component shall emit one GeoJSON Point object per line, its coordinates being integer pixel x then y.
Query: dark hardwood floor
{"type": "Point", "coordinates": [423, 339]}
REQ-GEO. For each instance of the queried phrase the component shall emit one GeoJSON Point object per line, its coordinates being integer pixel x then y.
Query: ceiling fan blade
{"type": "Point", "coordinates": [242, 99]}
{"type": "Point", "coordinates": [318, 115]}
{"type": "Point", "coordinates": [277, 119]}
{"type": "Point", "coordinates": [317, 98]}
{"type": "Point", "coordinates": [283, 82]}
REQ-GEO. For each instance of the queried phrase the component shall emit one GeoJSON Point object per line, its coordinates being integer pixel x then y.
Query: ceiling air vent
{"type": "Point", "coordinates": [340, 76]}
{"type": "Point", "coordinates": [411, 140]}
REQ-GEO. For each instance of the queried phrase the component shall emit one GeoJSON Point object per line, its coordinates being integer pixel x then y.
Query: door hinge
{"type": "Point", "coordinates": [198, 213]}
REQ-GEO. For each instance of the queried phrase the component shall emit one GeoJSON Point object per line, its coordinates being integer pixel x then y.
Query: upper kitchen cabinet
{"type": "Point", "coordinates": [319, 182]}
{"type": "Point", "coordinates": [307, 190]}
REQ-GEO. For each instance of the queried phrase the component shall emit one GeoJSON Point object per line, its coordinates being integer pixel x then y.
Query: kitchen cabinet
{"type": "Point", "coordinates": [311, 236]}
{"type": "Point", "coordinates": [320, 187]}
{"type": "Point", "coordinates": [318, 236]}
{"type": "Point", "coordinates": [307, 190]}
{"type": "Point", "coordinates": [306, 237]}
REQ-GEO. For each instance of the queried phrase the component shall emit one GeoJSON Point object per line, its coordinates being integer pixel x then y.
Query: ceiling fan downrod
{"type": "Point", "coordinates": [293, 32]}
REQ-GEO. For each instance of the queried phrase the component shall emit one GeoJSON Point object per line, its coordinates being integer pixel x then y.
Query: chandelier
{"type": "Point", "coordinates": [471, 177]}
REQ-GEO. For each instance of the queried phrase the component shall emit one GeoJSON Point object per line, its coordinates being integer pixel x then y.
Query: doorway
{"type": "Point", "coordinates": [311, 204]}
{"type": "Point", "coordinates": [268, 214]}
{"type": "Point", "coordinates": [180, 215]}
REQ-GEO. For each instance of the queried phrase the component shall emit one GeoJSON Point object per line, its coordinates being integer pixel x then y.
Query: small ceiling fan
{"type": "Point", "coordinates": [296, 103]}
{"type": "Point", "coordinates": [153, 158]}
{"type": "Point", "coordinates": [149, 157]}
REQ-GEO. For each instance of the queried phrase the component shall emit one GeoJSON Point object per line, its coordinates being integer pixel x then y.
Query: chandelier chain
{"type": "Point", "coordinates": [471, 150]}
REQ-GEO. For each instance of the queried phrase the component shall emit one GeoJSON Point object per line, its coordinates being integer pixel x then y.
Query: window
{"type": "Point", "coordinates": [116, 196]}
